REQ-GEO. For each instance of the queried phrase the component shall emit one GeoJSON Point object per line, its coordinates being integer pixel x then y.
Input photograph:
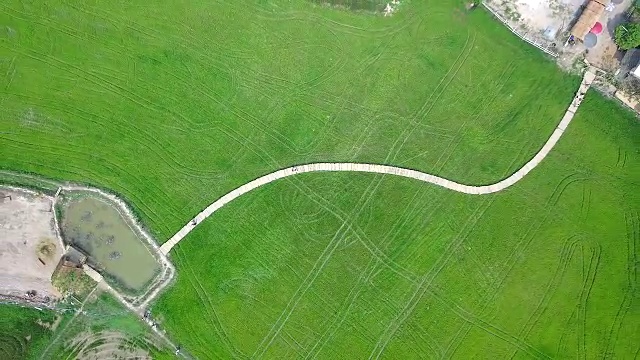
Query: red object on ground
{"type": "Point", "coordinates": [597, 28]}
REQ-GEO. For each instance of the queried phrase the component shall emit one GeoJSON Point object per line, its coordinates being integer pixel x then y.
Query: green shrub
{"type": "Point", "coordinates": [628, 36]}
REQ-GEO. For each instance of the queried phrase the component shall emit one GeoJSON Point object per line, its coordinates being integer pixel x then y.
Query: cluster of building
{"type": "Point", "coordinates": [588, 26]}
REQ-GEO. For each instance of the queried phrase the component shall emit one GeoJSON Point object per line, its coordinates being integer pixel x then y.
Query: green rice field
{"type": "Point", "coordinates": [105, 330]}
{"type": "Point", "coordinates": [23, 331]}
{"type": "Point", "coordinates": [172, 105]}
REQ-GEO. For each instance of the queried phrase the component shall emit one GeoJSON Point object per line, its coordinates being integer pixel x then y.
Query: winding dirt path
{"type": "Point", "coordinates": [588, 78]}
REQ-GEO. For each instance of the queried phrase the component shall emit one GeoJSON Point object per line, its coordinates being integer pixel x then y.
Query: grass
{"type": "Point", "coordinates": [72, 281]}
{"type": "Point", "coordinates": [103, 325]}
{"type": "Point", "coordinates": [172, 106]}
{"type": "Point", "coordinates": [26, 333]}
{"type": "Point", "coordinates": [171, 112]}
{"type": "Point", "coordinates": [21, 337]}
{"type": "Point", "coordinates": [547, 268]}
{"type": "Point", "coordinates": [28, 182]}
{"type": "Point", "coordinates": [107, 315]}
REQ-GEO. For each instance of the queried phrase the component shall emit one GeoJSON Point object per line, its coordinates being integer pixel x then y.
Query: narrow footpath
{"type": "Point", "coordinates": [588, 78]}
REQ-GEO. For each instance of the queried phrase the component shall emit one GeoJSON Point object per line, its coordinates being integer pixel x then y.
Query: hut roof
{"type": "Point", "coordinates": [76, 255]}
{"type": "Point", "coordinates": [589, 17]}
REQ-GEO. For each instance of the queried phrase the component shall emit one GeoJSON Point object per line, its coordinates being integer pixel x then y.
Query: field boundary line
{"type": "Point", "coordinates": [587, 79]}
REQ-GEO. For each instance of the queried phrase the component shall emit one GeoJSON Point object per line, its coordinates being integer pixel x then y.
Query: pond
{"type": "Point", "coordinates": [97, 228]}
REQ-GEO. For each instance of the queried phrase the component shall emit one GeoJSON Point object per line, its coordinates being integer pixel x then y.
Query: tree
{"type": "Point", "coordinates": [628, 35]}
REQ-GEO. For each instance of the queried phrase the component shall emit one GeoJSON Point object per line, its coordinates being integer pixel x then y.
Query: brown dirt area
{"type": "Point", "coordinates": [537, 16]}
{"type": "Point", "coordinates": [29, 248]}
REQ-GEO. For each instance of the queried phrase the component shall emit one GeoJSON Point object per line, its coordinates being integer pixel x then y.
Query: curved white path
{"type": "Point", "coordinates": [588, 78]}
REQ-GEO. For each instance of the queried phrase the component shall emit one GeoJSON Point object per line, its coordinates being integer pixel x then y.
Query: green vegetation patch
{"type": "Point", "coordinates": [23, 331]}
{"type": "Point", "coordinates": [170, 107]}
{"type": "Point", "coordinates": [104, 330]}
{"type": "Point", "coordinates": [70, 280]}
{"type": "Point", "coordinates": [358, 265]}
{"type": "Point", "coordinates": [28, 181]}
{"type": "Point", "coordinates": [173, 105]}
{"type": "Point", "coordinates": [627, 35]}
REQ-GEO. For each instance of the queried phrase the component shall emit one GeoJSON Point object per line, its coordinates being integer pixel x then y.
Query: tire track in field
{"type": "Point", "coordinates": [377, 53]}
{"type": "Point", "coordinates": [398, 171]}
{"type": "Point", "coordinates": [308, 281]}
{"type": "Point", "coordinates": [557, 192]}
{"type": "Point", "coordinates": [360, 234]}
{"type": "Point", "coordinates": [392, 331]}
{"type": "Point", "coordinates": [427, 279]}
{"type": "Point", "coordinates": [568, 250]}
{"type": "Point", "coordinates": [371, 247]}
{"type": "Point", "coordinates": [297, 15]}
{"type": "Point", "coordinates": [152, 147]}
{"type": "Point", "coordinates": [590, 273]}
{"type": "Point", "coordinates": [566, 254]}
{"type": "Point", "coordinates": [116, 90]}
{"type": "Point", "coordinates": [291, 308]}
{"type": "Point", "coordinates": [315, 271]}
{"type": "Point", "coordinates": [471, 318]}
{"type": "Point", "coordinates": [277, 136]}
{"type": "Point", "coordinates": [449, 351]}
{"type": "Point", "coordinates": [343, 100]}
{"type": "Point", "coordinates": [214, 318]}
{"type": "Point", "coordinates": [114, 167]}
{"type": "Point", "coordinates": [391, 170]}
{"type": "Point", "coordinates": [424, 110]}
{"type": "Point", "coordinates": [370, 272]}
{"type": "Point", "coordinates": [579, 314]}
{"type": "Point", "coordinates": [632, 221]}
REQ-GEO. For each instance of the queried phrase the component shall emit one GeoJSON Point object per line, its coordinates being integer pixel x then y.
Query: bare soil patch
{"type": "Point", "coordinates": [605, 54]}
{"type": "Point", "coordinates": [29, 249]}
{"type": "Point", "coordinates": [538, 15]}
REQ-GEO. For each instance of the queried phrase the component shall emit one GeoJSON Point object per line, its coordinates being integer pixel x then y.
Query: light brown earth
{"type": "Point", "coordinates": [27, 235]}
{"type": "Point", "coordinates": [536, 16]}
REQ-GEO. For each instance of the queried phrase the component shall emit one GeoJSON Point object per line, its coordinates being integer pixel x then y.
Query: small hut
{"type": "Point", "coordinates": [589, 17]}
{"type": "Point", "coordinates": [76, 256]}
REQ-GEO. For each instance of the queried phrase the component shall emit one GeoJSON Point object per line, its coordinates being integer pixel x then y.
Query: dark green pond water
{"type": "Point", "coordinates": [100, 230]}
